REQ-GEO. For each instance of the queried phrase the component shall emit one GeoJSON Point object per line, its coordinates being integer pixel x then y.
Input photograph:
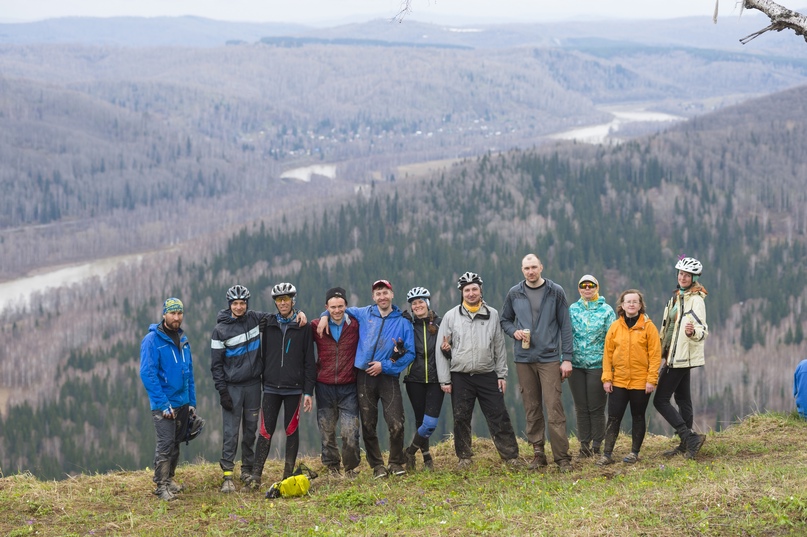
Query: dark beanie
{"type": "Point", "coordinates": [335, 292]}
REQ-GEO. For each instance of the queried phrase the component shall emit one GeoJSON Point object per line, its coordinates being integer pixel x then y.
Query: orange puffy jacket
{"type": "Point", "coordinates": [632, 356]}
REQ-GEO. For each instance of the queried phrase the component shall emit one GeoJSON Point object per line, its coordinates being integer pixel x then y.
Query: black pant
{"type": "Point", "coordinates": [675, 381]}
{"type": "Point", "coordinates": [270, 409]}
{"type": "Point", "coordinates": [387, 389]}
{"type": "Point", "coordinates": [617, 403]}
{"type": "Point", "coordinates": [466, 389]}
{"type": "Point", "coordinates": [170, 434]}
{"type": "Point", "coordinates": [426, 400]}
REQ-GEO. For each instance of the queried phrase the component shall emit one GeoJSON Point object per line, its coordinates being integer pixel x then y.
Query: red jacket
{"type": "Point", "coordinates": [335, 359]}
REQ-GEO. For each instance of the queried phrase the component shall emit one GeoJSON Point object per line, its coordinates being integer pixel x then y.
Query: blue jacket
{"type": "Point", "coordinates": [166, 371]}
{"type": "Point", "coordinates": [590, 322]}
{"type": "Point", "coordinates": [800, 388]}
{"type": "Point", "coordinates": [376, 336]}
{"type": "Point", "coordinates": [550, 333]}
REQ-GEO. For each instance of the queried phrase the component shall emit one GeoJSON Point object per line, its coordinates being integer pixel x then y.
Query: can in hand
{"type": "Point", "coordinates": [525, 341]}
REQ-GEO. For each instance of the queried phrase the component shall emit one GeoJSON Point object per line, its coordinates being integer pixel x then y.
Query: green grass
{"type": "Point", "coordinates": [750, 479]}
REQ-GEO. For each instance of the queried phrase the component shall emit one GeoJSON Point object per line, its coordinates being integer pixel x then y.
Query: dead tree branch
{"type": "Point", "coordinates": [781, 19]}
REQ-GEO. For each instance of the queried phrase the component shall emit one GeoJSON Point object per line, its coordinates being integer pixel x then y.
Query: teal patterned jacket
{"type": "Point", "coordinates": [590, 322]}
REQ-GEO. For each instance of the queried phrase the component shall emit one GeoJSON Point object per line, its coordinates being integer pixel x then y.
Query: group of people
{"type": "Point", "coordinates": [351, 358]}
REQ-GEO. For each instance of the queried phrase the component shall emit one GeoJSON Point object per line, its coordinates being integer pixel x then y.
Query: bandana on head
{"type": "Point", "coordinates": [172, 304]}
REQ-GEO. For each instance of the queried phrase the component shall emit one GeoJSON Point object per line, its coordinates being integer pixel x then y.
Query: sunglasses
{"type": "Point", "coordinates": [587, 285]}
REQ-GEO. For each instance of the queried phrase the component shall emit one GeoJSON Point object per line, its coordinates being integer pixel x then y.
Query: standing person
{"type": "Point", "coordinates": [800, 388]}
{"type": "Point", "coordinates": [289, 375]}
{"type": "Point", "coordinates": [422, 384]}
{"type": "Point", "coordinates": [683, 331]}
{"type": "Point", "coordinates": [166, 369]}
{"type": "Point", "coordinates": [630, 365]}
{"type": "Point", "coordinates": [337, 399]}
{"type": "Point", "coordinates": [536, 316]}
{"type": "Point", "coordinates": [385, 349]}
{"type": "Point", "coordinates": [473, 367]}
{"type": "Point", "coordinates": [591, 317]}
{"type": "Point", "coordinates": [237, 366]}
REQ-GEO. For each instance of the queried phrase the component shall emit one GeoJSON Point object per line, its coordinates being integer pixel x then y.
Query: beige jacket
{"type": "Point", "coordinates": [686, 351]}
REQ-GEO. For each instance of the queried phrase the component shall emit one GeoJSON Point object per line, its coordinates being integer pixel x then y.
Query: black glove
{"type": "Point", "coordinates": [262, 323]}
{"type": "Point", "coordinates": [399, 350]}
{"type": "Point", "coordinates": [226, 400]}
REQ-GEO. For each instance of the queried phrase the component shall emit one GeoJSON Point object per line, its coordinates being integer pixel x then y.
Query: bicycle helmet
{"type": "Point", "coordinates": [237, 292]}
{"type": "Point", "coordinates": [689, 264]}
{"type": "Point", "coordinates": [194, 429]}
{"type": "Point", "coordinates": [282, 289]}
{"type": "Point", "coordinates": [418, 292]}
{"type": "Point", "coordinates": [467, 279]}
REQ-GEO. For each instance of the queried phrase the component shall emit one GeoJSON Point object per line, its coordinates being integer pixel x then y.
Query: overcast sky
{"type": "Point", "coordinates": [325, 12]}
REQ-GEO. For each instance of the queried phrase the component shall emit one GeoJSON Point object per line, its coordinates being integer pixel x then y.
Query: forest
{"type": "Point", "coordinates": [624, 213]}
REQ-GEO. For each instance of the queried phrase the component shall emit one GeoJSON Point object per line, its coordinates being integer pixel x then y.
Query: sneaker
{"type": "Point", "coordinates": [174, 487]}
{"type": "Point", "coordinates": [245, 474]}
{"type": "Point", "coordinates": [164, 494]}
{"type": "Point", "coordinates": [538, 460]}
{"type": "Point", "coordinates": [680, 449]}
{"type": "Point", "coordinates": [631, 458]}
{"type": "Point", "coordinates": [333, 471]}
{"type": "Point", "coordinates": [605, 460]}
{"type": "Point", "coordinates": [515, 464]}
{"type": "Point", "coordinates": [228, 486]}
{"type": "Point", "coordinates": [694, 444]}
{"type": "Point", "coordinates": [396, 469]}
{"type": "Point", "coordinates": [351, 474]}
{"type": "Point", "coordinates": [410, 461]}
{"type": "Point", "coordinates": [379, 472]}
{"type": "Point", "coordinates": [464, 464]}
{"type": "Point", "coordinates": [564, 466]}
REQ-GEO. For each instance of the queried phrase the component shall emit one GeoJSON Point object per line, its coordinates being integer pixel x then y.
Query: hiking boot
{"type": "Point", "coordinates": [245, 473]}
{"type": "Point", "coordinates": [228, 486]}
{"type": "Point", "coordinates": [351, 474]}
{"type": "Point", "coordinates": [379, 472]}
{"type": "Point", "coordinates": [595, 449]}
{"type": "Point", "coordinates": [694, 444]}
{"type": "Point", "coordinates": [515, 463]}
{"type": "Point", "coordinates": [428, 462]}
{"type": "Point", "coordinates": [605, 460]}
{"type": "Point", "coordinates": [396, 469]}
{"type": "Point", "coordinates": [680, 449]}
{"type": "Point", "coordinates": [253, 482]}
{"type": "Point", "coordinates": [174, 487]}
{"type": "Point", "coordinates": [464, 464]}
{"type": "Point", "coordinates": [333, 471]}
{"type": "Point", "coordinates": [585, 452]}
{"type": "Point", "coordinates": [538, 460]}
{"type": "Point", "coordinates": [631, 458]}
{"type": "Point", "coordinates": [164, 494]}
{"type": "Point", "coordinates": [564, 466]}
{"type": "Point", "coordinates": [410, 461]}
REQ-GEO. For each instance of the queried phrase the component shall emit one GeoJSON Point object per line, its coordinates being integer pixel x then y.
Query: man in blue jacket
{"type": "Point", "coordinates": [536, 316]}
{"type": "Point", "coordinates": [800, 388]}
{"type": "Point", "coordinates": [386, 347]}
{"type": "Point", "coordinates": [166, 369]}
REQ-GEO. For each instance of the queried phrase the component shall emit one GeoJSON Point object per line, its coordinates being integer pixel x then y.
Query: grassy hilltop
{"type": "Point", "coordinates": [750, 479]}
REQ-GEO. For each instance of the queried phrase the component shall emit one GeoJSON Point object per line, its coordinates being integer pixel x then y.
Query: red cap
{"type": "Point", "coordinates": [382, 283]}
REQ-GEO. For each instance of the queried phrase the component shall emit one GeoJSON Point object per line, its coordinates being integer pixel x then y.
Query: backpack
{"type": "Point", "coordinates": [295, 485]}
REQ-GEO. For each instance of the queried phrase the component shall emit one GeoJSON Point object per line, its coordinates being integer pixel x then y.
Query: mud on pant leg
{"type": "Point", "coordinates": [270, 408]}
{"type": "Point", "coordinates": [168, 434]}
{"type": "Point", "coordinates": [491, 402]}
{"type": "Point", "coordinates": [392, 406]}
{"type": "Point", "coordinates": [367, 391]}
{"type": "Point", "coordinates": [463, 397]}
{"type": "Point", "coordinates": [327, 418]}
{"type": "Point", "coordinates": [349, 425]}
{"type": "Point", "coordinates": [249, 424]}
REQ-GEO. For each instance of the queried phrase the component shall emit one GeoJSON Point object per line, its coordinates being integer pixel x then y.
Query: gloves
{"type": "Point", "coordinates": [399, 350]}
{"type": "Point", "coordinates": [262, 323]}
{"type": "Point", "coordinates": [226, 400]}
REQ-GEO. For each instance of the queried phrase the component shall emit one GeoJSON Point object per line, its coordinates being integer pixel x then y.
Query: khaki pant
{"type": "Point", "coordinates": [540, 385]}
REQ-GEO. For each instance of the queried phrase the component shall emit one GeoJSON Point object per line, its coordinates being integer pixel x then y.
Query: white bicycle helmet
{"type": "Point", "coordinates": [282, 289]}
{"type": "Point", "coordinates": [467, 279]}
{"type": "Point", "coordinates": [237, 292]}
{"type": "Point", "coordinates": [418, 292]}
{"type": "Point", "coordinates": [689, 264]}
